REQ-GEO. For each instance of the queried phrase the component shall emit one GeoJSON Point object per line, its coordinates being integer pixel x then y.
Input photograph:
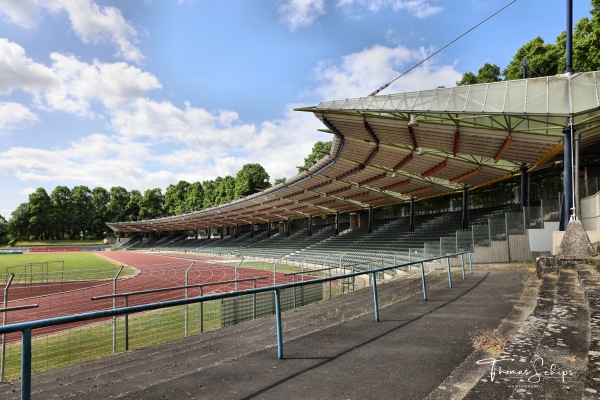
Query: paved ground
{"type": "Point", "coordinates": [329, 352]}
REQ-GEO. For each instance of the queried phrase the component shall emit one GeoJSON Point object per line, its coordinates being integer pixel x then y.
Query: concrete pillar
{"type": "Point", "coordinates": [411, 218]}
{"type": "Point", "coordinates": [524, 201]}
{"type": "Point", "coordinates": [337, 223]}
{"type": "Point", "coordinates": [252, 230]}
{"type": "Point", "coordinates": [269, 229]}
{"type": "Point", "coordinates": [289, 227]}
{"type": "Point", "coordinates": [465, 208]}
{"type": "Point", "coordinates": [310, 223]}
{"type": "Point", "coordinates": [567, 181]}
{"type": "Point", "coordinates": [370, 220]}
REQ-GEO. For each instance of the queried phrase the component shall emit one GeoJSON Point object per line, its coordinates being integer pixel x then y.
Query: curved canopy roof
{"type": "Point", "coordinates": [389, 148]}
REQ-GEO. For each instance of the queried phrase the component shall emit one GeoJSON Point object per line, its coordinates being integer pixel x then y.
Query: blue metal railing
{"type": "Point", "coordinates": [26, 327]}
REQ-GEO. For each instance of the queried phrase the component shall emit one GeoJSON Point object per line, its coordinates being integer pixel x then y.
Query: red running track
{"type": "Point", "coordinates": [155, 271]}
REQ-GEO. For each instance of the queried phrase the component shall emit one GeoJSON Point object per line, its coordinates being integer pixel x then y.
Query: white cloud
{"type": "Point", "coordinates": [299, 13]}
{"type": "Point", "coordinates": [419, 8]}
{"type": "Point", "coordinates": [15, 115]}
{"type": "Point", "coordinates": [362, 72]}
{"type": "Point", "coordinates": [81, 83]}
{"type": "Point", "coordinates": [90, 22]}
{"type": "Point", "coordinates": [19, 72]}
{"type": "Point", "coordinates": [22, 12]}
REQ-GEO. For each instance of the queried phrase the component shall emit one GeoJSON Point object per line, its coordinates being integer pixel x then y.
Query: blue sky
{"type": "Point", "coordinates": [142, 94]}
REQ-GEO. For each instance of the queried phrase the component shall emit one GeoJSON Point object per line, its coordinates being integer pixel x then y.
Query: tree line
{"type": "Point", "coordinates": [547, 59]}
{"type": "Point", "coordinates": [82, 213]}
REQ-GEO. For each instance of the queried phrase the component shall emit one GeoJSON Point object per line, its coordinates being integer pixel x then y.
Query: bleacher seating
{"type": "Point", "coordinates": [389, 242]}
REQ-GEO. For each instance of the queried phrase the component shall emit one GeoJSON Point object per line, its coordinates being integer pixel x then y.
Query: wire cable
{"type": "Point", "coordinates": [443, 48]}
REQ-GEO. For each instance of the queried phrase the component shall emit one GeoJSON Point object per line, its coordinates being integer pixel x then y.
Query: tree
{"type": "Point", "coordinates": [82, 212]}
{"type": "Point", "coordinates": [132, 210]}
{"type": "Point", "coordinates": [152, 205]}
{"type": "Point", "coordinates": [586, 41]}
{"type": "Point", "coordinates": [224, 189]}
{"type": "Point", "coordinates": [486, 74]}
{"type": "Point", "coordinates": [3, 231]}
{"type": "Point", "coordinates": [61, 212]}
{"type": "Point", "coordinates": [194, 197]}
{"type": "Point", "coordinates": [209, 194]}
{"type": "Point", "coordinates": [319, 150]}
{"type": "Point", "coordinates": [100, 201]}
{"type": "Point", "coordinates": [250, 179]}
{"type": "Point", "coordinates": [175, 196]}
{"type": "Point", "coordinates": [279, 180]}
{"type": "Point", "coordinates": [543, 59]}
{"type": "Point", "coordinates": [117, 205]}
{"type": "Point", "coordinates": [39, 209]}
{"type": "Point", "coordinates": [18, 225]}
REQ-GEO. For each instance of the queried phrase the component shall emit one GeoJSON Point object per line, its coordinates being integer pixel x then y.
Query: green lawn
{"type": "Point", "coordinates": [39, 264]}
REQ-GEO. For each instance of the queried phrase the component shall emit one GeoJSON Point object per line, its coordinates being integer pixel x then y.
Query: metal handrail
{"type": "Point", "coordinates": [27, 327]}
{"type": "Point", "coordinates": [158, 290]}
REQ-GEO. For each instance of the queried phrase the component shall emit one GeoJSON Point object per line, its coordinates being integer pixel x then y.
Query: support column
{"type": "Point", "coordinates": [337, 223]}
{"type": "Point", "coordinates": [222, 232]}
{"type": "Point", "coordinates": [370, 220]}
{"type": "Point", "coordinates": [411, 223]}
{"type": "Point", "coordinates": [310, 222]}
{"type": "Point", "coordinates": [269, 229]}
{"type": "Point", "coordinates": [465, 208]}
{"type": "Point", "coordinates": [236, 229]}
{"type": "Point", "coordinates": [289, 226]}
{"type": "Point", "coordinates": [524, 187]}
{"type": "Point", "coordinates": [567, 180]}
{"type": "Point", "coordinates": [576, 140]}
{"type": "Point", "coordinates": [252, 230]}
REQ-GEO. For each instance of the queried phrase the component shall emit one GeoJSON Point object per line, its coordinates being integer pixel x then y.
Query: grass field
{"type": "Point", "coordinates": [59, 263]}
{"type": "Point", "coordinates": [95, 340]}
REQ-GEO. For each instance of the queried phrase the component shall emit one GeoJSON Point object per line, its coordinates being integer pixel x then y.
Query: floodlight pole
{"type": "Point", "coordinates": [569, 66]}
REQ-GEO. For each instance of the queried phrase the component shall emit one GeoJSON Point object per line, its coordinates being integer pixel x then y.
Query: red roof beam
{"type": "Point", "coordinates": [433, 170]}
{"type": "Point", "coordinates": [413, 139]}
{"type": "Point", "coordinates": [373, 179]}
{"type": "Point", "coordinates": [336, 191]}
{"type": "Point", "coordinates": [319, 185]}
{"type": "Point", "coordinates": [310, 198]}
{"type": "Point", "coordinates": [425, 189]}
{"type": "Point", "coordinates": [357, 196]}
{"type": "Point", "coordinates": [404, 161]}
{"type": "Point", "coordinates": [345, 174]}
{"type": "Point", "coordinates": [332, 201]}
{"type": "Point", "coordinates": [503, 149]}
{"type": "Point", "coordinates": [395, 185]}
{"type": "Point", "coordinates": [465, 176]}
{"type": "Point", "coordinates": [456, 142]}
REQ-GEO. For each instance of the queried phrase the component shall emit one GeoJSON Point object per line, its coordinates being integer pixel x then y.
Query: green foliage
{"type": "Point", "coordinates": [487, 73]}
{"type": "Point", "coordinates": [3, 231]}
{"type": "Point", "coordinates": [547, 59]}
{"type": "Point", "coordinates": [250, 179]}
{"type": "Point", "coordinates": [543, 59]}
{"type": "Point", "coordinates": [279, 180]}
{"type": "Point", "coordinates": [319, 150]}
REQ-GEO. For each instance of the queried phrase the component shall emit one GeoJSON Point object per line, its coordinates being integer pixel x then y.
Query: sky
{"type": "Point", "coordinates": [145, 93]}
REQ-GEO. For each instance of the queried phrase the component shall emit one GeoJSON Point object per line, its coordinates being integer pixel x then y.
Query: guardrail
{"type": "Point", "coordinates": [160, 290]}
{"type": "Point", "coordinates": [26, 327]}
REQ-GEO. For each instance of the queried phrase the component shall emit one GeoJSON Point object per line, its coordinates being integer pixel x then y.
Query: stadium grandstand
{"type": "Point", "coordinates": [393, 153]}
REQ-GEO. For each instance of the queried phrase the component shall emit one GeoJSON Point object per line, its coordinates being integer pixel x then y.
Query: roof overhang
{"type": "Point", "coordinates": [389, 148]}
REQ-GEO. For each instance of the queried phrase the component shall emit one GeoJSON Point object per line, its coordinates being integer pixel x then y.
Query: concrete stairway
{"type": "Point", "coordinates": [551, 357]}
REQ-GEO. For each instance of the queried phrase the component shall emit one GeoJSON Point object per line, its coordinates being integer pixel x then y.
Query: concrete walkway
{"type": "Point", "coordinates": [346, 355]}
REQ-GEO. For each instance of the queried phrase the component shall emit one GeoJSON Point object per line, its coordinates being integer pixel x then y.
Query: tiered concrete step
{"type": "Point", "coordinates": [547, 358]}
{"type": "Point", "coordinates": [116, 376]}
{"type": "Point", "coordinates": [590, 280]}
